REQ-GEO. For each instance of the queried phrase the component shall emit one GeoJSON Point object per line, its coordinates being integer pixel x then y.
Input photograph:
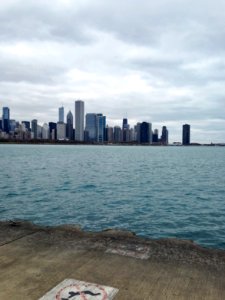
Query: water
{"type": "Point", "coordinates": [154, 191]}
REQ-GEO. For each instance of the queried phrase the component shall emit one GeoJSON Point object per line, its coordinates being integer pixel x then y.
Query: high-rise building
{"type": "Point", "coordinates": [117, 134]}
{"type": "Point", "coordinates": [155, 136]}
{"type": "Point", "coordinates": [61, 114]}
{"type": "Point", "coordinates": [27, 125]}
{"type": "Point", "coordinates": [101, 120]}
{"type": "Point", "coordinates": [186, 134]}
{"type": "Point", "coordinates": [52, 130]}
{"type": "Point", "coordinates": [69, 126]}
{"type": "Point", "coordinates": [34, 129]}
{"type": "Point", "coordinates": [164, 136]}
{"type": "Point", "coordinates": [6, 119]}
{"type": "Point", "coordinates": [61, 131]}
{"type": "Point", "coordinates": [79, 120]}
{"type": "Point", "coordinates": [145, 133]}
{"type": "Point", "coordinates": [45, 131]}
{"type": "Point", "coordinates": [126, 130]}
{"type": "Point", "coordinates": [91, 127]}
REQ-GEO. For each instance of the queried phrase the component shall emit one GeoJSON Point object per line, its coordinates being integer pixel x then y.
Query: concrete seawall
{"type": "Point", "coordinates": [35, 259]}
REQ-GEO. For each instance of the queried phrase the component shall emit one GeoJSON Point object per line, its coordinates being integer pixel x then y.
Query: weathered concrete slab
{"type": "Point", "coordinates": [40, 258]}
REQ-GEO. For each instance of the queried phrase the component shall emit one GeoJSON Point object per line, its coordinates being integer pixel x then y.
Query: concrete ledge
{"type": "Point", "coordinates": [34, 259]}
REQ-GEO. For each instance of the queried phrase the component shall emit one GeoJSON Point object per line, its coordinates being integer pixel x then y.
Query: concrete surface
{"type": "Point", "coordinates": [35, 259]}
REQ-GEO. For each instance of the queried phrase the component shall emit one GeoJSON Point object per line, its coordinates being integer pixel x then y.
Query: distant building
{"type": "Point", "coordinates": [109, 134]}
{"type": "Point", "coordinates": [155, 136]}
{"type": "Point", "coordinates": [164, 136]}
{"type": "Point", "coordinates": [45, 132]}
{"type": "Point", "coordinates": [101, 120]}
{"type": "Point", "coordinates": [6, 119]}
{"type": "Point", "coordinates": [27, 125]}
{"type": "Point", "coordinates": [145, 133]}
{"type": "Point", "coordinates": [69, 126]}
{"type": "Point", "coordinates": [52, 130]}
{"type": "Point", "coordinates": [79, 120]}
{"type": "Point", "coordinates": [117, 134]}
{"type": "Point", "coordinates": [91, 127]}
{"type": "Point", "coordinates": [186, 134]}
{"type": "Point", "coordinates": [61, 131]}
{"type": "Point", "coordinates": [61, 114]}
{"type": "Point", "coordinates": [34, 129]}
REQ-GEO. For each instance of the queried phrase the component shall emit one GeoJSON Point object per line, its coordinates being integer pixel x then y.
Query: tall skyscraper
{"type": "Point", "coordinates": [34, 129]}
{"type": "Point", "coordinates": [164, 136]}
{"type": "Point", "coordinates": [125, 129]}
{"type": "Point", "coordinates": [61, 131]}
{"type": "Point", "coordinates": [186, 134]}
{"type": "Point", "coordinates": [101, 120]}
{"type": "Point", "coordinates": [69, 126]}
{"type": "Point", "coordinates": [91, 127]}
{"type": "Point", "coordinates": [79, 120]}
{"type": "Point", "coordinates": [6, 119]}
{"type": "Point", "coordinates": [61, 114]}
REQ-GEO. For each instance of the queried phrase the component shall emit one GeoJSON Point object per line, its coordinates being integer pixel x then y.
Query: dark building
{"type": "Point", "coordinates": [27, 125]}
{"type": "Point", "coordinates": [155, 136]}
{"type": "Point", "coordinates": [125, 130]}
{"type": "Point", "coordinates": [5, 119]}
{"type": "Point", "coordinates": [52, 130]}
{"type": "Point", "coordinates": [69, 126]}
{"type": "Point", "coordinates": [144, 133]}
{"type": "Point", "coordinates": [164, 136]}
{"type": "Point", "coordinates": [0, 124]}
{"type": "Point", "coordinates": [34, 128]}
{"type": "Point", "coordinates": [186, 134]}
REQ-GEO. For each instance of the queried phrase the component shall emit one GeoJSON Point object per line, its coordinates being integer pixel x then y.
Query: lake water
{"type": "Point", "coordinates": [154, 191]}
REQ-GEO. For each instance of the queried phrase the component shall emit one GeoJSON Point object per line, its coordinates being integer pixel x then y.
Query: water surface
{"type": "Point", "coordinates": [154, 191]}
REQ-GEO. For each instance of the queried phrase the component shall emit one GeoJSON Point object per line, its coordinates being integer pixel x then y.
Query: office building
{"type": "Point", "coordinates": [69, 126]}
{"type": "Point", "coordinates": [34, 129]}
{"type": "Point", "coordinates": [101, 120]}
{"type": "Point", "coordinates": [117, 134]}
{"type": "Point", "coordinates": [52, 130]}
{"type": "Point", "coordinates": [27, 125]}
{"type": "Point", "coordinates": [155, 136]}
{"type": "Point", "coordinates": [79, 120]}
{"type": "Point", "coordinates": [186, 134]}
{"type": "Point", "coordinates": [164, 136]}
{"type": "Point", "coordinates": [61, 131]}
{"type": "Point", "coordinates": [6, 119]}
{"type": "Point", "coordinates": [61, 114]}
{"type": "Point", "coordinates": [145, 133]}
{"type": "Point", "coordinates": [91, 127]}
{"type": "Point", "coordinates": [45, 131]}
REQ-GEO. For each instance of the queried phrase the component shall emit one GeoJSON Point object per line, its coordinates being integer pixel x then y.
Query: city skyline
{"type": "Point", "coordinates": [145, 61]}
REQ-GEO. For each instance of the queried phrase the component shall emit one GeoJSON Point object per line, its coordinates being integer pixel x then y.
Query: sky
{"type": "Point", "coordinates": [156, 61]}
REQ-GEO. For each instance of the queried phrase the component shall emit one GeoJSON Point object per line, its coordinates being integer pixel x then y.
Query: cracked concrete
{"type": "Point", "coordinates": [34, 259]}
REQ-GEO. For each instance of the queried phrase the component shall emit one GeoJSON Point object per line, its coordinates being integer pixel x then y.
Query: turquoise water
{"type": "Point", "coordinates": [154, 191]}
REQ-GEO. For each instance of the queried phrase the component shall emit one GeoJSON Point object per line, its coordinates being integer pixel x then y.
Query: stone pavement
{"type": "Point", "coordinates": [35, 259]}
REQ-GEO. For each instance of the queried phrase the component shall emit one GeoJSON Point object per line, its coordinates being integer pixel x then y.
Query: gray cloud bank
{"type": "Point", "coordinates": [161, 62]}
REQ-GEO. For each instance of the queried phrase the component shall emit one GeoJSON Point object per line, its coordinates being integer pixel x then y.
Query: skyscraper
{"type": "Point", "coordinates": [61, 114]}
{"type": "Point", "coordinates": [6, 119]}
{"type": "Point", "coordinates": [34, 129]}
{"type": "Point", "coordinates": [186, 134]}
{"type": "Point", "coordinates": [91, 127]}
{"type": "Point", "coordinates": [69, 126]}
{"type": "Point", "coordinates": [145, 133]}
{"type": "Point", "coordinates": [165, 136]}
{"type": "Point", "coordinates": [79, 120]}
{"type": "Point", "coordinates": [101, 120]}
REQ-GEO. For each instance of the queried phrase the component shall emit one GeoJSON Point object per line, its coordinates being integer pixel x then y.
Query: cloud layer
{"type": "Point", "coordinates": [160, 62]}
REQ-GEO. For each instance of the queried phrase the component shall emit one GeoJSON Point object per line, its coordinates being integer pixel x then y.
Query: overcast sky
{"type": "Point", "coordinates": [157, 61]}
